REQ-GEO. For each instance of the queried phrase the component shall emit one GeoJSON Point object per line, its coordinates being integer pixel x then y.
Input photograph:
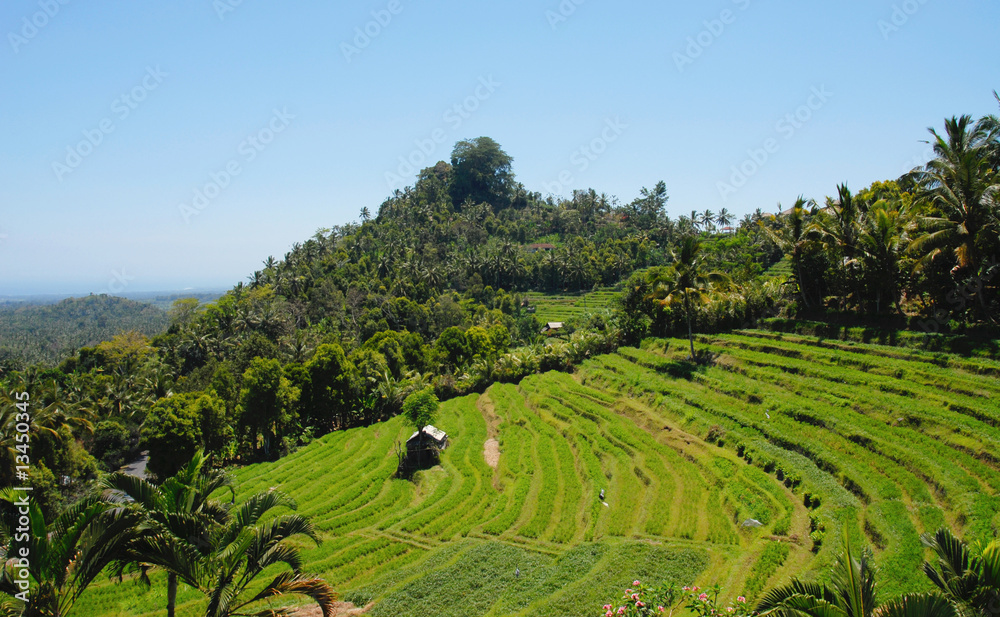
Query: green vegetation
{"type": "Point", "coordinates": [620, 455]}
{"type": "Point", "coordinates": [47, 334]}
{"type": "Point", "coordinates": [567, 307]}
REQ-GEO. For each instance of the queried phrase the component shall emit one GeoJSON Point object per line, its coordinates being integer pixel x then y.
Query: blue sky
{"type": "Point", "coordinates": [113, 114]}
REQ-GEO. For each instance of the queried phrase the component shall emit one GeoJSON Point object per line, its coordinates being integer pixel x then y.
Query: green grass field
{"type": "Point", "coordinates": [563, 307]}
{"type": "Point", "coordinates": [815, 437]}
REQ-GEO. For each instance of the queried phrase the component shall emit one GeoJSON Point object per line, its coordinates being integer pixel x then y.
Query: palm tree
{"type": "Point", "coordinates": [959, 191]}
{"type": "Point", "coordinates": [792, 239]}
{"type": "Point", "coordinates": [838, 226]}
{"type": "Point", "coordinates": [66, 555]}
{"type": "Point", "coordinates": [724, 218]}
{"type": "Point", "coordinates": [365, 214]}
{"type": "Point", "coordinates": [53, 409]}
{"type": "Point", "coordinates": [851, 592]}
{"type": "Point", "coordinates": [685, 284]}
{"type": "Point", "coordinates": [707, 220]}
{"type": "Point", "coordinates": [969, 579]}
{"type": "Point", "coordinates": [209, 546]}
{"type": "Point", "coordinates": [179, 515]}
{"type": "Point", "coordinates": [882, 243]}
{"type": "Point", "coordinates": [245, 547]}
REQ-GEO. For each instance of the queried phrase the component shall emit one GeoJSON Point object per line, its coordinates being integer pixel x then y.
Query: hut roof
{"type": "Point", "coordinates": [439, 437]}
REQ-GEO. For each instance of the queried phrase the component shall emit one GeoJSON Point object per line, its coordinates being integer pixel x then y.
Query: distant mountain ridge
{"type": "Point", "coordinates": [48, 333]}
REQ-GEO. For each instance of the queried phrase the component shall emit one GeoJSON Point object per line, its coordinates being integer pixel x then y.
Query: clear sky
{"type": "Point", "coordinates": [288, 116]}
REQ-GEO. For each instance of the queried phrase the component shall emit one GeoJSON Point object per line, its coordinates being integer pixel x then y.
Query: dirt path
{"type": "Point", "coordinates": [491, 452]}
{"type": "Point", "coordinates": [340, 609]}
{"type": "Point", "coordinates": [491, 449]}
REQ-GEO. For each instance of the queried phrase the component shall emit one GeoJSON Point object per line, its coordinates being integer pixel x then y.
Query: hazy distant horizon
{"type": "Point", "coordinates": [179, 145]}
{"type": "Point", "coordinates": [132, 294]}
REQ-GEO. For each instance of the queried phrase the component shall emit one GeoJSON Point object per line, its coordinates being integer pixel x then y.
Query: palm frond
{"type": "Point", "coordinates": [917, 605]}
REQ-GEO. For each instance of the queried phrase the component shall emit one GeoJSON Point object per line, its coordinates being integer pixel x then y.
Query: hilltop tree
{"type": "Point", "coordinates": [481, 173]}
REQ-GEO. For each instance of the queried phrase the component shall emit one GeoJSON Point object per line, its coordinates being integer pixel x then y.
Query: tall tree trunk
{"type": "Point", "coordinates": [797, 259]}
{"type": "Point", "coordinates": [687, 309]}
{"type": "Point", "coordinates": [171, 594]}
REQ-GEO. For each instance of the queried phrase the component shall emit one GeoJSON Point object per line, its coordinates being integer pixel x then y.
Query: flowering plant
{"type": "Point", "coordinates": [642, 601]}
{"type": "Point", "coordinates": [705, 603]}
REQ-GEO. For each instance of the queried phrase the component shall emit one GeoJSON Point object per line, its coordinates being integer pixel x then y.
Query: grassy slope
{"type": "Point", "coordinates": [864, 429]}
{"type": "Point", "coordinates": [563, 307]}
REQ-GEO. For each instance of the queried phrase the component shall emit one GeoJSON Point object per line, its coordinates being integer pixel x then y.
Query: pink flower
{"type": "Point", "coordinates": [635, 583]}
{"type": "Point", "coordinates": [607, 607]}
{"type": "Point", "coordinates": [659, 608]}
{"type": "Point", "coordinates": [729, 609]}
{"type": "Point", "coordinates": [639, 604]}
{"type": "Point", "coordinates": [685, 588]}
{"type": "Point", "coordinates": [695, 588]}
{"type": "Point", "coordinates": [703, 596]}
{"type": "Point", "coordinates": [741, 599]}
{"type": "Point", "coordinates": [635, 596]}
{"type": "Point", "coordinates": [628, 591]}
{"type": "Point", "coordinates": [621, 610]}
{"type": "Point", "coordinates": [609, 614]}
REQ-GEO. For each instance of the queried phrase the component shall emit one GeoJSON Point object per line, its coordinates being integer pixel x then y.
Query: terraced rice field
{"type": "Point", "coordinates": [814, 437]}
{"type": "Point", "coordinates": [563, 307]}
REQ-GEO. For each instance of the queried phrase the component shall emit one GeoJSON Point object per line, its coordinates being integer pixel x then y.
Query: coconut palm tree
{"type": "Point", "coordinates": [838, 227]}
{"type": "Point", "coordinates": [969, 578]}
{"type": "Point", "coordinates": [792, 238]}
{"type": "Point", "coordinates": [707, 220]}
{"type": "Point", "coordinates": [54, 408]}
{"type": "Point", "coordinates": [851, 592]}
{"type": "Point", "coordinates": [959, 191]}
{"type": "Point", "coordinates": [724, 218]}
{"type": "Point", "coordinates": [65, 555]}
{"type": "Point", "coordinates": [179, 516]}
{"type": "Point", "coordinates": [882, 243]}
{"type": "Point", "coordinates": [685, 284]}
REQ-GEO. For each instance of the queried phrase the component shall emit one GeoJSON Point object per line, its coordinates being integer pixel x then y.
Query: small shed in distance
{"type": "Point", "coordinates": [553, 327]}
{"type": "Point", "coordinates": [542, 246]}
{"type": "Point", "coordinates": [432, 437]}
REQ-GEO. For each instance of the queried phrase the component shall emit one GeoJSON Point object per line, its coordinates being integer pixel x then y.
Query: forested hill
{"type": "Point", "coordinates": [49, 333]}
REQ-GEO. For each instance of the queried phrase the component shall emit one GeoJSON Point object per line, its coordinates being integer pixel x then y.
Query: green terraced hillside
{"type": "Point", "coordinates": [808, 437]}
{"type": "Point", "coordinates": [563, 307]}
